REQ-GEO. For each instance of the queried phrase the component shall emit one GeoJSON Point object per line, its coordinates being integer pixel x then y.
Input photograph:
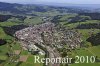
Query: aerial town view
{"type": "Point", "coordinates": [49, 33]}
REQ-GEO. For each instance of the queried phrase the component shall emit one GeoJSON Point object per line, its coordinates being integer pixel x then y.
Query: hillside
{"type": "Point", "coordinates": [9, 8]}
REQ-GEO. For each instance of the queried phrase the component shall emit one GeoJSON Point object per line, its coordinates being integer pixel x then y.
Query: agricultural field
{"type": "Point", "coordinates": [95, 50]}
{"type": "Point", "coordinates": [85, 64]}
{"type": "Point", "coordinates": [74, 25]}
{"type": "Point", "coordinates": [33, 20]}
{"type": "Point", "coordinates": [8, 23]}
{"type": "Point", "coordinates": [91, 51]}
{"type": "Point", "coordinates": [2, 33]}
{"type": "Point", "coordinates": [29, 61]}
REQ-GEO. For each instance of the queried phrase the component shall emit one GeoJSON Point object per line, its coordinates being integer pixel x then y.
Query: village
{"type": "Point", "coordinates": [46, 34]}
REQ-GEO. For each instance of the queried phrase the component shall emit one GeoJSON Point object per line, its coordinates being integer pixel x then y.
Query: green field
{"type": "Point", "coordinates": [86, 64]}
{"type": "Point", "coordinates": [30, 61]}
{"type": "Point", "coordinates": [8, 23]}
{"type": "Point", "coordinates": [92, 51]}
{"type": "Point", "coordinates": [33, 20]}
{"type": "Point", "coordinates": [2, 33]}
{"type": "Point", "coordinates": [95, 50]}
{"type": "Point", "coordinates": [74, 25]}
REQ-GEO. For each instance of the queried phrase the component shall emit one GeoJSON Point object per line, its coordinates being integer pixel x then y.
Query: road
{"type": "Point", "coordinates": [53, 54]}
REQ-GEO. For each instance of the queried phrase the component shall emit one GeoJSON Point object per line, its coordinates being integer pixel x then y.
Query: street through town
{"type": "Point", "coordinates": [53, 54]}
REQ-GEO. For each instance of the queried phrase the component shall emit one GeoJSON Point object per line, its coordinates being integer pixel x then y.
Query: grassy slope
{"type": "Point", "coordinates": [8, 23]}
{"type": "Point", "coordinates": [35, 20]}
{"type": "Point", "coordinates": [95, 50]}
{"type": "Point", "coordinates": [2, 34]}
{"type": "Point", "coordinates": [74, 25]}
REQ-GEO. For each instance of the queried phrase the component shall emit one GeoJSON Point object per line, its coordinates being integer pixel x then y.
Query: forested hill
{"type": "Point", "coordinates": [30, 8]}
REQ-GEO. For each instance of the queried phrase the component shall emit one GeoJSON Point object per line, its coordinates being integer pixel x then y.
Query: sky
{"type": "Point", "coordinates": [53, 1]}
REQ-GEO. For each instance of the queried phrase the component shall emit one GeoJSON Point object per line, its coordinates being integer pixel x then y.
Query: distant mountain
{"type": "Point", "coordinates": [14, 8]}
{"type": "Point", "coordinates": [72, 5]}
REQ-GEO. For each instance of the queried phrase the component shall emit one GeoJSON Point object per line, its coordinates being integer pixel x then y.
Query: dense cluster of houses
{"type": "Point", "coordinates": [46, 33]}
{"type": "Point", "coordinates": [32, 35]}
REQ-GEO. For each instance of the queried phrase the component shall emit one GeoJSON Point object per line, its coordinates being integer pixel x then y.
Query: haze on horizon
{"type": "Point", "coordinates": [52, 1]}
